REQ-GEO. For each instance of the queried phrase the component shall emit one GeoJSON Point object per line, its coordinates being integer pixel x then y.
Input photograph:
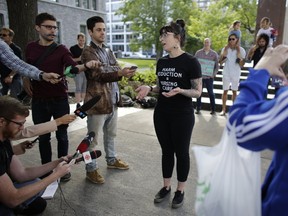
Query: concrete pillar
{"type": "Point", "coordinates": [275, 10]}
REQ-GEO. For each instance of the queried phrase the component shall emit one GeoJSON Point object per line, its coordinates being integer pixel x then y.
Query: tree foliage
{"type": "Point", "coordinates": [147, 17]}
{"type": "Point", "coordinates": [218, 18]}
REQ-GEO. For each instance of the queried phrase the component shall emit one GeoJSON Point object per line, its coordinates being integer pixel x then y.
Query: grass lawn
{"type": "Point", "coordinates": [141, 63]}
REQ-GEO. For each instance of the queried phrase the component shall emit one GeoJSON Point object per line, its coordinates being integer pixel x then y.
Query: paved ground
{"type": "Point", "coordinates": [130, 192]}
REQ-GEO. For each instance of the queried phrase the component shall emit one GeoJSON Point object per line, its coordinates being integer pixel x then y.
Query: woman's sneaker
{"type": "Point", "coordinates": [162, 194]}
{"type": "Point", "coordinates": [178, 199]}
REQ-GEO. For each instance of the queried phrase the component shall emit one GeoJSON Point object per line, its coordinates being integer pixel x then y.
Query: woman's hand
{"type": "Point", "coordinates": [173, 92]}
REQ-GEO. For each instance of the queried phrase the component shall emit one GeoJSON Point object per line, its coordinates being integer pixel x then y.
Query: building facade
{"type": "Point", "coordinates": [71, 16]}
{"type": "Point", "coordinates": [118, 33]}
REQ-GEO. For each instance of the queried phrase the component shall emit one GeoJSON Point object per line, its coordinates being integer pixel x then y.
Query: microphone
{"type": "Point", "coordinates": [94, 154]}
{"type": "Point", "coordinates": [85, 143]}
{"type": "Point", "coordinates": [81, 111]}
{"type": "Point", "coordinates": [71, 71]}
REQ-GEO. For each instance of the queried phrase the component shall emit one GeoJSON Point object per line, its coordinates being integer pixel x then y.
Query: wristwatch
{"type": "Point", "coordinates": [41, 76]}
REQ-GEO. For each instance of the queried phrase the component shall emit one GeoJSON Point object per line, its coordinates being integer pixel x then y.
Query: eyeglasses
{"type": "Point", "coordinates": [3, 35]}
{"type": "Point", "coordinates": [20, 124]}
{"type": "Point", "coordinates": [50, 27]}
{"type": "Point", "coordinates": [164, 35]}
{"type": "Point", "coordinates": [231, 39]}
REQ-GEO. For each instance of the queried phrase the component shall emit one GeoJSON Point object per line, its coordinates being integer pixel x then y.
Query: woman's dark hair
{"type": "Point", "coordinates": [178, 28]}
{"type": "Point", "coordinates": [263, 36]}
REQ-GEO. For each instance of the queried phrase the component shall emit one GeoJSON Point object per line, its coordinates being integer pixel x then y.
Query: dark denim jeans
{"type": "Point", "coordinates": [42, 111]}
{"type": "Point", "coordinates": [208, 83]}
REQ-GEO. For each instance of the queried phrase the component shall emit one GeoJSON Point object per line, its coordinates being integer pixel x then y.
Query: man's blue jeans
{"type": "Point", "coordinates": [108, 124]}
{"type": "Point", "coordinates": [42, 111]}
{"type": "Point", "coordinates": [208, 83]}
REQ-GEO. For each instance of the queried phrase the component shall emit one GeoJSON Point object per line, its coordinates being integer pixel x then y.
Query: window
{"type": "Point", "coordinates": [117, 28]}
{"type": "Point", "coordinates": [118, 38]}
{"type": "Point", "coordinates": [116, 18]}
{"type": "Point", "coordinates": [118, 47]}
{"type": "Point", "coordinates": [2, 22]}
{"type": "Point", "coordinates": [129, 37]}
{"type": "Point", "coordinates": [94, 4]}
{"type": "Point", "coordinates": [128, 27]}
{"type": "Point", "coordinates": [115, 7]}
{"type": "Point", "coordinates": [77, 3]}
{"type": "Point", "coordinates": [86, 4]}
{"type": "Point", "coordinates": [58, 37]}
{"type": "Point", "coordinates": [83, 29]}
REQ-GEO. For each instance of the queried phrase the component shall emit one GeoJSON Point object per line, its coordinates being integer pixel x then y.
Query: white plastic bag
{"type": "Point", "coordinates": [229, 181]}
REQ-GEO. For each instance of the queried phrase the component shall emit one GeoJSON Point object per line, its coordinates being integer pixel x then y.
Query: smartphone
{"type": "Point", "coordinates": [133, 67]}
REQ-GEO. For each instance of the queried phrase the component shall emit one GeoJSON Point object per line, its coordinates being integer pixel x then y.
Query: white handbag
{"type": "Point", "coordinates": [229, 180]}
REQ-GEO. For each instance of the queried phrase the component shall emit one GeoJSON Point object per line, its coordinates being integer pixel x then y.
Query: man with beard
{"type": "Point", "coordinates": [51, 100]}
{"type": "Point", "coordinates": [258, 50]}
{"type": "Point", "coordinates": [20, 188]}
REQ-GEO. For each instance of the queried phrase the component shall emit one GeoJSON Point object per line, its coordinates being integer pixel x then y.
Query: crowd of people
{"type": "Point", "coordinates": [180, 77]}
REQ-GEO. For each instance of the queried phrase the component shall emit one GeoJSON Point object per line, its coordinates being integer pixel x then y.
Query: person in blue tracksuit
{"type": "Point", "coordinates": [262, 124]}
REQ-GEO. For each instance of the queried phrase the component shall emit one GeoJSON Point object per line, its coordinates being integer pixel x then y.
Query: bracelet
{"type": "Point", "coordinates": [86, 66]}
{"type": "Point", "coordinates": [151, 88]}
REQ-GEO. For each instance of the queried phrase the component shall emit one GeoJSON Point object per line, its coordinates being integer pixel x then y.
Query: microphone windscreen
{"type": "Point", "coordinates": [95, 154]}
{"type": "Point", "coordinates": [91, 134]}
{"type": "Point", "coordinates": [89, 104]}
{"type": "Point", "coordinates": [85, 143]}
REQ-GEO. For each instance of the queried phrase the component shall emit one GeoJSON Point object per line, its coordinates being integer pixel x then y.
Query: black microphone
{"type": "Point", "coordinates": [74, 70]}
{"type": "Point", "coordinates": [81, 111]}
{"type": "Point", "coordinates": [94, 154]}
{"type": "Point", "coordinates": [85, 143]}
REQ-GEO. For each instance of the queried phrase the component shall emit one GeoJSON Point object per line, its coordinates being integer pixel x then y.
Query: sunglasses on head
{"type": "Point", "coordinates": [231, 39]}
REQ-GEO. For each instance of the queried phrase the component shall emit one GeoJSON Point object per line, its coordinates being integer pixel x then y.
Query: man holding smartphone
{"type": "Point", "coordinates": [103, 81]}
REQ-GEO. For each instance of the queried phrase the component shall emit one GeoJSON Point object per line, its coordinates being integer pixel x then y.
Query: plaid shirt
{"type": "Point", "coordinates": [10, 60]}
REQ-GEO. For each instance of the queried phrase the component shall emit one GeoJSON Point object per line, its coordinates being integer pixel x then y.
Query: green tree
{"type": "Point", "coordinates": [246, 11]}
{"type": "Point", "coordinates": [217, 19]}
{"type": "Point", "coordinates": [147, 18]}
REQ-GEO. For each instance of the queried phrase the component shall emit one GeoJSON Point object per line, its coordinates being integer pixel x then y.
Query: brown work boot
{"type": "Point", "coordinates": [95, 177]}
{"type": "Point", "coordinates": [118, 164]}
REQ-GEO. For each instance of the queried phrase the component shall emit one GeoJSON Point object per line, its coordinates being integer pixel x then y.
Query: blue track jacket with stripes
{"type": "Point", "coordinates": [263, 124]}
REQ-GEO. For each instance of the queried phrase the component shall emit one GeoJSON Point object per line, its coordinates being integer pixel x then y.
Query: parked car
{"type": "Point", "coordinates": [137, 55]}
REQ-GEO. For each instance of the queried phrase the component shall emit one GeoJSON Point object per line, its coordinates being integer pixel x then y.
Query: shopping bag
{"type": "Point", "coordinates": [229, 180]}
